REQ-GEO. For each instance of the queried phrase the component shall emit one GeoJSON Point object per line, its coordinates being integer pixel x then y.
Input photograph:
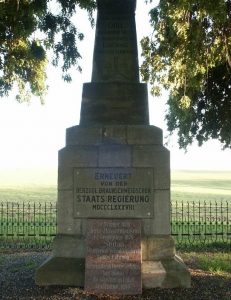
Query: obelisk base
{"type": "Point", "coordinates": [169, 273]}
{"type": "Point", "coordinates": [65, 271]}
{"type": "Point", "coordinates": [161, 267]}
{"type": "Point", "coordinates": [165, 270]}
{"type": "Point", "coordinates": [137, 148]}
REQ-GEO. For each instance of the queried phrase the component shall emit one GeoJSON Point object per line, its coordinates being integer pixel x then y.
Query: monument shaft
{"type": "Point", "coordinates": [115, 96]}
{"type": "Point", "coordinates": [115, 53]}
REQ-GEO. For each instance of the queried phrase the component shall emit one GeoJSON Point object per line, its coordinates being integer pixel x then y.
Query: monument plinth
{"type": "Point", "coordinates": [114, 167]}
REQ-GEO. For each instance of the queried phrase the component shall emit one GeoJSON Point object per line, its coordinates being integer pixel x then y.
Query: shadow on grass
{"type": "Point", "coordinates": [206, 247]}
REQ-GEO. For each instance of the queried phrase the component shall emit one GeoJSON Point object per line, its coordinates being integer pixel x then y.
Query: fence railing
{"type": "Point", "coordinates": [201, 222]}
{"type": "Point", "coordinates": [33, 225]}
{"type": "Point", "coordinates": [27, 225]}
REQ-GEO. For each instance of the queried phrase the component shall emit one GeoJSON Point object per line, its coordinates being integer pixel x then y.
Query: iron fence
{"type": "Point", "coordinates": [201, 222]}
{"type": "Point", "coordinates": [27, 225]}
{"type": "Point", "coordinates": [33, 226]}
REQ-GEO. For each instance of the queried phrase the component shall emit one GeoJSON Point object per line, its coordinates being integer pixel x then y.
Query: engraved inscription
{"type": "Point", "coordinates": [113, 257]}
{"type": "Point", "coordinates": [115, 53]}
{"type": "Point", "coordinates": [113, 192]}
{"type": "Point", "coordinates": [115, 36]}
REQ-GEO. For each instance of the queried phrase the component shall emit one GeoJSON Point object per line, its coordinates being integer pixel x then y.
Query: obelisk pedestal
{"type": "Point", "coordinates": [114, 165]}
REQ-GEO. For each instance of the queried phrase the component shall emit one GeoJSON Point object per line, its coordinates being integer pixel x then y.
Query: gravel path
{"type": "Point", "coordinates": [17, 282]}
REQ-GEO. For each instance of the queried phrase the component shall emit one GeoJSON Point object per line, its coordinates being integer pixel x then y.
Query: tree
{"type": "Point", "coordinates": [29, 29]}
{"type": "Point", "coordinates": [189, 54]}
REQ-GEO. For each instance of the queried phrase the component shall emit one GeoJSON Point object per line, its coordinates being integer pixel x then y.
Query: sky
{"type": "Point", "coordinates": [31, 135]}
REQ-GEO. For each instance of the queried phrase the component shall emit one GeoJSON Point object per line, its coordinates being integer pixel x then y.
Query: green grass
{"type": "Point", "coordinates": [28, 186]}
{"type": "Point", "coordinates": [206, 246]}
{"type": "Point", "coordinates": [39, 194]}
{"type": "Point", "coordinates": [2, 258]}
{"type": "Point", "coordinates": [28, 177]}
{"type": "Point", "coordinates": [201, 186]}
{"type": "Point", "coordinates": [215, 262]}
{"type": "Point", "coordinates": [30, 265]}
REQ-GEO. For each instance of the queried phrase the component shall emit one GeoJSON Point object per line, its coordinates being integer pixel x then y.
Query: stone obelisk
{"type": "Point", "coordinates": [114, 165]}
{"type": "Point", "coordinates": [115, 96]}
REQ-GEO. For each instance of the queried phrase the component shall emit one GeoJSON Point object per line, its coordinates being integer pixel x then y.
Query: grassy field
{"type": "Point", "coordinates": [201, 186]}
{"type": "Point", "coordinates": [28, 186]}
{"type": "Point", "coordinates": [41, 186]}
{"type": "Point", "coordinates": [31, 193]}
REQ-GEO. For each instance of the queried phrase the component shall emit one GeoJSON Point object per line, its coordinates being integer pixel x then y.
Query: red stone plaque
{"type": "Point", "coordinates": [113, 257]}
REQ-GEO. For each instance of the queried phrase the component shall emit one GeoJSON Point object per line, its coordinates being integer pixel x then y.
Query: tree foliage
{"type": "Point", "coordinates": [189, 53]}
{"type": "Point", "coordinates": [29, 29]}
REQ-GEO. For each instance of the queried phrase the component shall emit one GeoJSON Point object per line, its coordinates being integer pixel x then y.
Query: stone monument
{"type": "Point", "coordinates": [114, 177]}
